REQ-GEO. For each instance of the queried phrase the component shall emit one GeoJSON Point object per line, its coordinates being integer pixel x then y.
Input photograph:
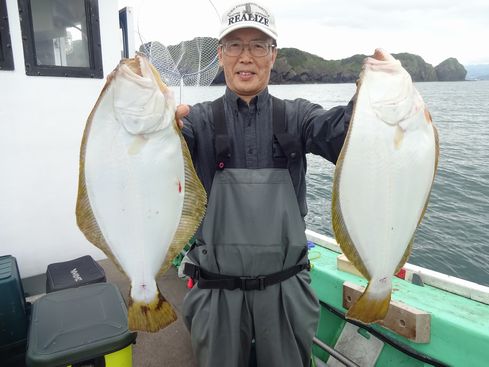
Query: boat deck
{"type": "Point", "coordinates": [457, 326]}
{"type": "Point", "coordinates": [169, 347]}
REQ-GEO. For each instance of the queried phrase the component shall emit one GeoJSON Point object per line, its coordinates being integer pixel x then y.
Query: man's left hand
{"type": "Point", "coordinates": [180, 113]}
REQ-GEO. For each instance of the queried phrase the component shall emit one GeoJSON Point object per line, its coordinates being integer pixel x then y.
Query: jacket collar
{"type": "Point", "coordinates": [260, 100]}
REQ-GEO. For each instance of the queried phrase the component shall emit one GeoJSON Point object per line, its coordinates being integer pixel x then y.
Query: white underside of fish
{"type": "Point", "coordinates": [137, 195]}
{"type": "Point", "coordinates": [384, 175]}
{"type": "Point", "coordinates": [384, 187]}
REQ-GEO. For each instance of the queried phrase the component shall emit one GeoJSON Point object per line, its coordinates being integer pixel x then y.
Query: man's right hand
{"type": "Point", "coordinates": [180, 113]}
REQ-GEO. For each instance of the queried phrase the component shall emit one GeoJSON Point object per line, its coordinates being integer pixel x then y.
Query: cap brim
{"type": "Point", "coordinates": [235, 27]}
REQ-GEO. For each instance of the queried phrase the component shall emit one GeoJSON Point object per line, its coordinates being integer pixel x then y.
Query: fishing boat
{"type": "Point", "coordinates": [434, 319]}
{"type": "Point", "coordinates": [54, 56]}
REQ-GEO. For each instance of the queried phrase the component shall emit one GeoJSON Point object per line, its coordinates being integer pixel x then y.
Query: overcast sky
{"type": "Point", "coordinates": [336, 29]}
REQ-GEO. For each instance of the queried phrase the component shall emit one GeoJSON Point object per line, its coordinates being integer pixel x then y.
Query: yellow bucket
{"type": "Point", "coordinates": [120, 358]}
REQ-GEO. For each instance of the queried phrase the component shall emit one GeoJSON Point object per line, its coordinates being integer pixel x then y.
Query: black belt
{"type": "Point", "coordinates": [209, 280]}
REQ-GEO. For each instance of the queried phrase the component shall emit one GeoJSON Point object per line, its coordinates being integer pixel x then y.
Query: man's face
{"type": "Point", "coordinates": [247, 75]}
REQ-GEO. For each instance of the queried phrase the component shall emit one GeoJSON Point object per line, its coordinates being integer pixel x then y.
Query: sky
{"type": "Point", "coordinates": [337, 29]}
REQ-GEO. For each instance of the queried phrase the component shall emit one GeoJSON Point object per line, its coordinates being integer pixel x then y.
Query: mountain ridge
{"type": "Point", "coordinates": [294, 66]}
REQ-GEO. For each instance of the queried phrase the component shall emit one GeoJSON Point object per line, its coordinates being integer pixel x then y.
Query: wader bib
{"type": "Point", "coordinates": [252, 276]}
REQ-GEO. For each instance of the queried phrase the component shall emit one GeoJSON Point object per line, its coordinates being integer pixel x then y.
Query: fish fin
{"type": "Point", "coordinates": [84, 214]}
{"type": "Point", "coordinates": [152, 316]}
{"type": "Point", "coordinates": [339, 227]}
{"type": "Point", "coordinates": [194, 205]}
{"type": "Point", "coordinates": [437, 155]}
{"type": "Point", "coordinates": [195, 199]}
{"type": "Point", "coordinates": [370, 307]}
{"type": "Point", "coordinates": [437, 148]}
{"type": "Point", "coordinates": [407, 253]}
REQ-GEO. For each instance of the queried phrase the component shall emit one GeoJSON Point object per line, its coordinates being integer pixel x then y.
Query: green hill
{"type": "Point", "coordinates": [296, 66]}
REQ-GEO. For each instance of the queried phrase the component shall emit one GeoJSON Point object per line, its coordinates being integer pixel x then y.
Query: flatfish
{"type": "Point", "coordinates": [139, 197]}
{"type": "Point", "coordinates": [383, 179]}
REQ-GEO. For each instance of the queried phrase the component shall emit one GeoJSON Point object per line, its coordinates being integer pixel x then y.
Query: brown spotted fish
{"type": "Point", "coordinates": [139, 197]}
{"type": "Point", "coordinates": [383, 179]}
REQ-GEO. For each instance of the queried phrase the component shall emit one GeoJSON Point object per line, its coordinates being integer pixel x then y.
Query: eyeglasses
{"type": "Point", "coordinates": [257, 48]}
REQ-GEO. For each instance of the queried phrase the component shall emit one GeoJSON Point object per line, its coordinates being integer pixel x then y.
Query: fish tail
{"type": "Point", "coordinates": [371, 306]}
{"type": "Point", "coordinates": [152, 316]}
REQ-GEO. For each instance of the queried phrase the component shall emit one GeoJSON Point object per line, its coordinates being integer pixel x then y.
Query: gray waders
{"type": "Point", "coordinates": [252, 228]}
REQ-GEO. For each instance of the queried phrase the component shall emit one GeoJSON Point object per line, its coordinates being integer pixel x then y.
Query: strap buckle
{"type": "Point", "coordinates": [191, 270]}
{"type": "Point", "coordinates": [252, 283]}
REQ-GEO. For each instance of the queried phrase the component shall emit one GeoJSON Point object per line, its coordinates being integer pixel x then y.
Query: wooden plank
{"type": "Point", "coordinates": [402, 319]}
{"type": "Point", "coordinates": [343, 264]}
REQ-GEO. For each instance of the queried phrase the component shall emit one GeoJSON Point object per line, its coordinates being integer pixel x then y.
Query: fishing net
{"type": "Point", "coordinates": [191, 61]}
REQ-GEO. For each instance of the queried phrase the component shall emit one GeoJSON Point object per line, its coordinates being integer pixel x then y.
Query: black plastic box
{"type": "Point", "coordinates": [13, 311]}
{"type": "Point", "coordinates": [79, 324]}
{"type": "Point", "coordinates": [74, 273]}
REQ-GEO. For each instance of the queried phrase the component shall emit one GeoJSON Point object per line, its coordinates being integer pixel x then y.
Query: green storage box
{"type": "Point", "coordinates": [80, 324]}
{"type": "Point", "coordinates": [13, 311]}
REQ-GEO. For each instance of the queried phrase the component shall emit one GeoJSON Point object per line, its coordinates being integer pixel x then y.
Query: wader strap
{"type": "Point", "coordinates": [222, 144]}
{"type": "Point", "coordinates": [288, 143]}
{"type": "Point", "coordinates": [208, 280]}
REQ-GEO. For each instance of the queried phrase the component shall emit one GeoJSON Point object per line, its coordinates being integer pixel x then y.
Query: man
{"type": "Point", "coordinates": [250, 257]}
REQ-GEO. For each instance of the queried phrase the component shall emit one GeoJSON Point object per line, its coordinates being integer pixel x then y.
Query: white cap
{"type": "Point", "coordinates": [248, 15]}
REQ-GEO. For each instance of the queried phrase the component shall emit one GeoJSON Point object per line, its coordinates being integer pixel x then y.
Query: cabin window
{"type": "Point", "coordinates": [123, 26]}
{"type": "Point", "coordinates": [6, 58]}
{"type": "Point", "coordinates": [61, 38]}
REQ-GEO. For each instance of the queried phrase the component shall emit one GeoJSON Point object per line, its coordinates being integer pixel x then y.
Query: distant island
{"type": "Point", "coordinates": [347, 70]}
{"type": "Point", "coordinates": [477, 72]}
{"type": "Point", "coordinates": [294, 66]}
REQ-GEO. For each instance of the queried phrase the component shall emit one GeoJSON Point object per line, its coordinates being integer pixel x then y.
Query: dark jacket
{"type": "Point", "coordinates": [250, 129]}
